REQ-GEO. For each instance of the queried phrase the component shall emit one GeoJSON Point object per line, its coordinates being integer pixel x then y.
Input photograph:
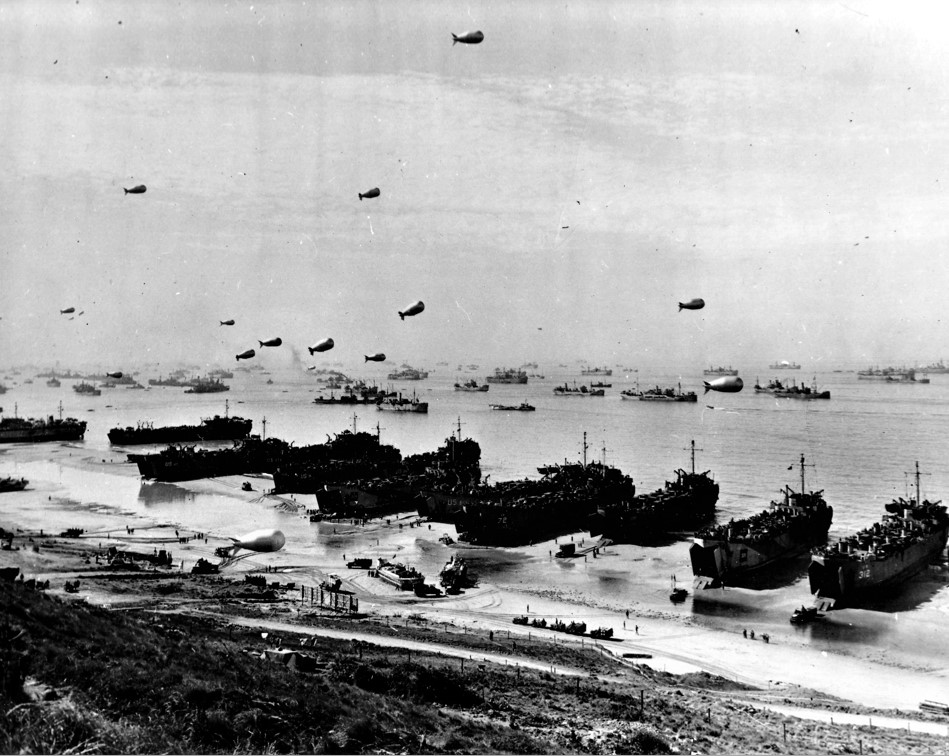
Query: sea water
{"type": "Point", "coordinates": [860, 448]}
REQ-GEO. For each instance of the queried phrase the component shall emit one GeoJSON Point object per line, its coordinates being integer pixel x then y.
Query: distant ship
{"type": "Point", "coordinates": [522, 407]}
{"type": "Point", "coordinates": [215, 428]}
{"type": "Point", "coordinates": [53, 383]}
{"type": "Point", "coordinates": [726, 553]}
{"type": "Point", "coordinates": [207, 386]}
{"type": "Point", "coordinates": [596, 371]}
{"type": "Point", "coordinates": [408, 374]}
{"type": "Point", "coordinates": [668, 395]}
{"type": "Point", "coordinates": [86, 388]}
{"type": "Point", "coordinates": [507, 375]}
{"type": "Point", "coordinates": [784, 365]}
{"type": "Point", "coordinates": [887, 374]}
{"type": "Point", "coordinates": [782, 391]}
{"type": "Point", "coordinates": [401, 403]}
{"type": "Point", "coordinates": [686, 501]}
{"type": "Point", "coordinates": [471, 385]}
{"type": "Point", "coordinates": [935, 367]}
{"type": "Point", "coordinates": [720, 371]}
{"type": "Point", "coordinates": [18, 429]}
{"type": "Point", "coordinates": [575, 390]}
{"type": "Point", "coordinates": [884, 555]}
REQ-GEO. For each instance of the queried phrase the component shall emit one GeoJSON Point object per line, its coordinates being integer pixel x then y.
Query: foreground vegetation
{"type": "Point", "coordinates": [77, 678]}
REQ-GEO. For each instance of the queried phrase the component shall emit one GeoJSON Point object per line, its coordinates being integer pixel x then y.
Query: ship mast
{"type": "Point", "coordinates": [585, 447]}
{"type": "Point", "coordinates": [227, 407]}
{"type": "Point", "coordinates": [354, 422]}
{"type": "Point", "coordinates": [802, 473]}
{"type": "Point", "coordinates": [378, 431]}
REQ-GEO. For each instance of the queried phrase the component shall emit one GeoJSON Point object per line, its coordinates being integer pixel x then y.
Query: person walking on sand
{"type": "Point", "coordinates": [637, 629]}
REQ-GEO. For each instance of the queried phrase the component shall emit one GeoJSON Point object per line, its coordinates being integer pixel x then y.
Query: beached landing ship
{"type": "Point", "coordinates": [687, 501]}
{"type": "Point", "coordinates": [726, 553]}
{"type": "Point", "coordinates": [888, 553]}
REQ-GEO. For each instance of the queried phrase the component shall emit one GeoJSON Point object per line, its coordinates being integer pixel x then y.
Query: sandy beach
{"type": "Point", "coordinates": [897, 676]}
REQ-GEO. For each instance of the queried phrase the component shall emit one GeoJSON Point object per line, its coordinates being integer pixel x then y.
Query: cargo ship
{"type": "Point", "coordinates": [507, 375]}
{"type": "Point", "coordinates": [87, 389]}
{"type": "Point", "coordinates": [687, 501]}
{"type": "Point", "coordinates": [783, 391]}
{"type": "Point", "coordinates": [720, 371]}
{"type": "Point", "coordinates": [207, 386]}
{"type": "Point", "coordinates": [408, 374]}
{"type": "Point", "coordinates": [596, 371]}
{"type": "Point", "coordinates": [215, 428]}
{"type": "Point", "coordinates": [784, 365]}
{"type": "Point", "coordinates": [18, 429]}
{"type": "Point", "coordinates": [911, 536]}
{"type": "Point", "coordinates": [727, 553]}
{"type": "Point", "coordinates": [401, 403]}
{"type": "Point", "coordinates": [668, 395]}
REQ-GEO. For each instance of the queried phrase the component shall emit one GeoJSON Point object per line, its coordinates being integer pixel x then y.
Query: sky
{"type": "Point", "coordinates": [550, 194]}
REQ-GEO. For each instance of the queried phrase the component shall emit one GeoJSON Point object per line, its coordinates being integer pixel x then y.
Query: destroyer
{"type": "Point", "coordinates": [726, 553]}
{"type": "Point", "coordinates": [903, 543]}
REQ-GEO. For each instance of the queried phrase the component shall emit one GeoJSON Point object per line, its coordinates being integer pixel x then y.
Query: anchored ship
{"type": "Point", "coordinates": [207, 386]}
{"type": "Point", "coordinates": [726, 553]}
{"type": "Point", "coordinates": [575, 390]}
{"type": "Point", "coordinates": [911, 536]}
{"type": "Point", "coordinates": [215, 428]}
{"type": "Point", "coordinates": [86, 388]}
{"type": "Point", "coordinates": [784, 365]}
{"type": "Point", "coordinates": [668, 395]}
{"type": "Point", "coordinates": [401, 403]}
{"type": "Point", "coordinates": [686, 501]}
{"type": "Point", "coordinates": [471, 385]}
{"type": "Point", "coordinates": [507, 375]}
{"type": "Point", "coordinates": [18, 429]}
{"type": "Point", "coordinates": [720, 371]}
{"type": "Point", "coordinates": [596, 371]}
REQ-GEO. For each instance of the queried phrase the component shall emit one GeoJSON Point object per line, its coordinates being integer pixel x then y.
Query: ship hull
{"type": "Point", "coordinates": [717, 562]}
{"type": "Point", "coordinates": [841, 582]}
{"type": "Point", "coordinates": [231, 429]}
{"type": "Point", "coordinates": [36, 435]}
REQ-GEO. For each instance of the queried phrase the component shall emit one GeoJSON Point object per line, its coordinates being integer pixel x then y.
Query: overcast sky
{"type": "Point", "coordinates": [550, 194]}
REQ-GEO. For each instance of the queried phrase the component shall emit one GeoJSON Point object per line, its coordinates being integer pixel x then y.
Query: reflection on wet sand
{"type": "Point", "coordinates": [154, 493]}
